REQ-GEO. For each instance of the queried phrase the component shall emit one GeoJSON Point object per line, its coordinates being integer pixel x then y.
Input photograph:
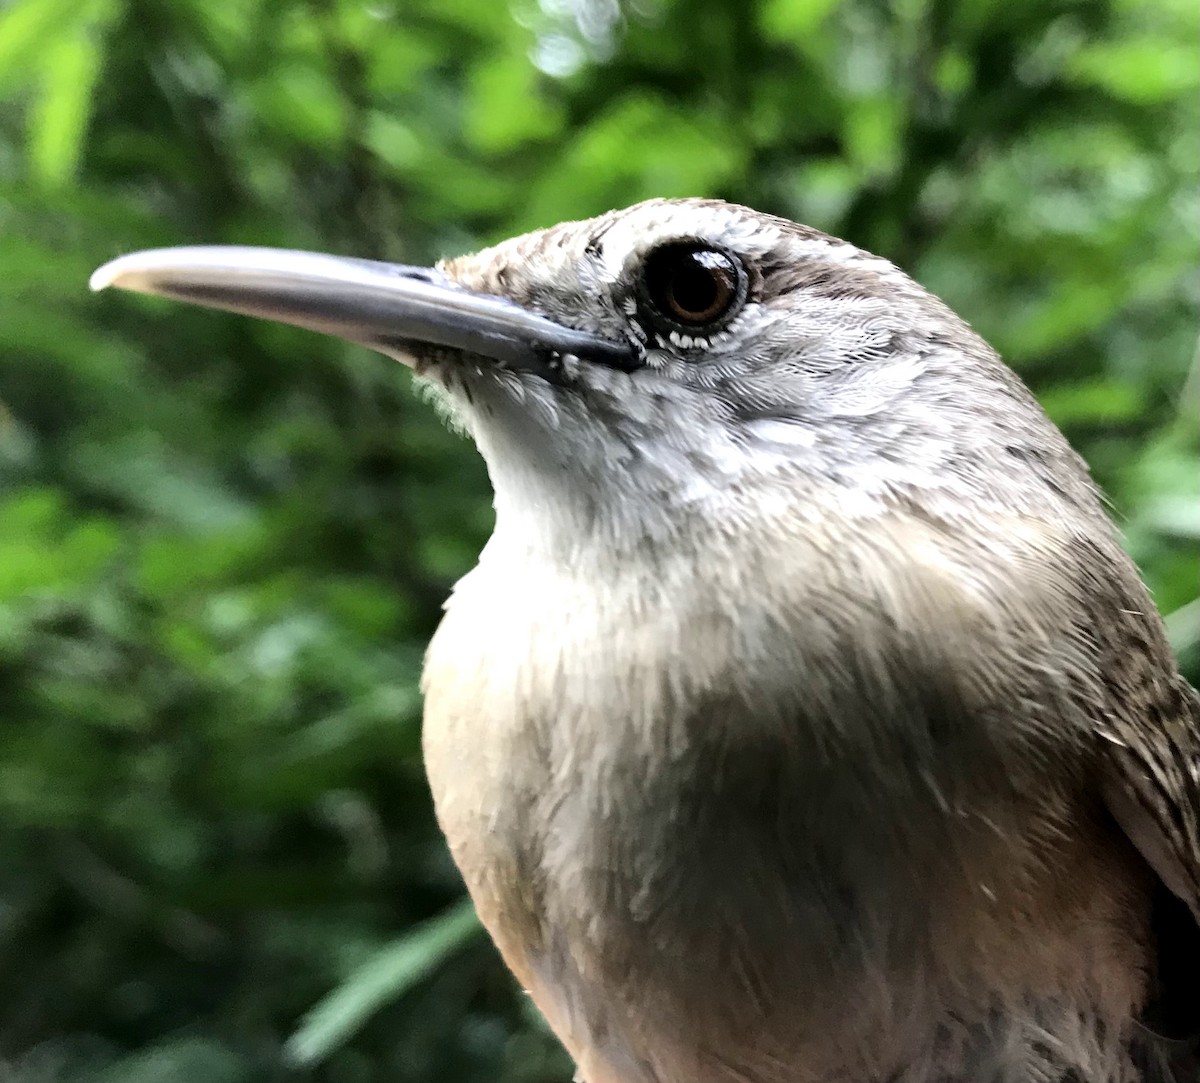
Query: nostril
{"type": "Point", "coordinates": [420, 274]}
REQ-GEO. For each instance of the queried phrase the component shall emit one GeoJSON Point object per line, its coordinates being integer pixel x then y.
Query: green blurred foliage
{"type": "Point", "coordinates": [223, 544]}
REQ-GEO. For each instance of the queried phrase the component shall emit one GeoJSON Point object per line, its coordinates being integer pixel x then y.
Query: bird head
{"type": "Point", "coordinates": [676, 360]}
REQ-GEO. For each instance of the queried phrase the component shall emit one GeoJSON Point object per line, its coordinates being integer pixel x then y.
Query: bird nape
{"type": "Point", "coordinates": [803, 720]}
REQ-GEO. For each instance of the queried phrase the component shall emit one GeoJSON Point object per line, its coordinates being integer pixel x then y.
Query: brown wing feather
{"type": "Point", "coordinates": [1150, 772]}
{"type": "Point", "coordinates": [1152, 783]}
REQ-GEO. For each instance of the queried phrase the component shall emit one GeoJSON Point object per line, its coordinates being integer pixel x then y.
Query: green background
{"type": "Point", "coordinates": [223, 544]}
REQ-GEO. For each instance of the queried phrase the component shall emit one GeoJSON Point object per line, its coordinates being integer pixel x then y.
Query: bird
{"type": "Point", "coordinates": [803, 720]}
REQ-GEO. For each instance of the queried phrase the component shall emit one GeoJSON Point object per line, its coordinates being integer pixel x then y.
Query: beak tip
{"type": "Point", "coordinates": [137, 271]}
{"type": "Point", "coordinates": [101, 279]}
{"type": "Point", "coordinates": [107, 275]}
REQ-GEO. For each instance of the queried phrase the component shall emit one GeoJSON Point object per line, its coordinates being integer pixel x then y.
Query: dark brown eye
{"type": "Point", "coordinates": [693, 286]}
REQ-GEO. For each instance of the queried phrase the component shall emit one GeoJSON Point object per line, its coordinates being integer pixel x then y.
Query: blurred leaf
{"type": "Point", "coordinates": [795, 21]}
{"type": "Point", "coordinates": [183, 1060]}
{"type": "Point", "coordinates": [873, 131]}
{"type": "Point", "coordinates": [393, 141]}
{"type": "Point", "coordinates": [492, 123]}
{"type": "Point", "coordinates": [1183, 627]}
{"type": "Point", "coordinates": [1144, 71]}
{"type": "Point", "coordinates": [386, 975]}
{"type": "Point", "coordinates": [639, 147]}
{"type": "Point", "coordinates": [42, 551]}
{"type": "Point", "coordinates": [297, 102]}
{"type": "Point", "coordinates": [71, 64]}
{"type": "Point", "coordinates": [1179, 516]}
{"type": "Point", "coordinates": [28, 30]}
{"type": "Point", "coordinates": [1098, 401]}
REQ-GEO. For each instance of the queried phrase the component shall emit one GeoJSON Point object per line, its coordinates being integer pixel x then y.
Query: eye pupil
{"type": "Point", "coordinates": [691, 285]}
{"type": "Point", "coordinates": [695, 288]}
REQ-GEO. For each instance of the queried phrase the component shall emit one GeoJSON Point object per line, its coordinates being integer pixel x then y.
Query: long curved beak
{"type": "Point", "coordinates": [391, 308]}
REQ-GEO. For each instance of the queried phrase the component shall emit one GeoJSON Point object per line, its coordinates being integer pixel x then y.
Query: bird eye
{"type": "Point", "coordinates": [692, 286]}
